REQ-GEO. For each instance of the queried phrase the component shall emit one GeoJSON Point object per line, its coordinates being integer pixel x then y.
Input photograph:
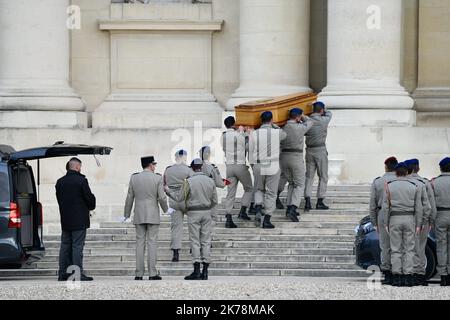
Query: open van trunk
{"type": "Point", "coordinates": [25, 196]}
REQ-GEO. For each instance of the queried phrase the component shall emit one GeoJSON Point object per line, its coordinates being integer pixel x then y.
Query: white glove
{"type": "Point", "coordinates": [123, 219]}
{"type": "Point", "coordinates": [170, 211]}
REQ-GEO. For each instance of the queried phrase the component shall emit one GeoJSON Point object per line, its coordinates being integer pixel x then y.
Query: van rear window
{"type": "Point", "coordinates": [4, 184]}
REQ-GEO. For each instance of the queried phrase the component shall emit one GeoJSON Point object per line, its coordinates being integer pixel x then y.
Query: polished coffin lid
{"type": "Point", "coordinates": [249, 113]}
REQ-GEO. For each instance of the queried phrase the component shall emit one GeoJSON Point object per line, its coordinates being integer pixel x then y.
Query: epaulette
{"type": "Point", "coordinates": [415, 185]}
{"type": "Point", "coordinates": [420, 180]}
{"type": "Point", "coordinates": [159, 174]}
{"type": "Point", "coordinates": [168, 167]}
{"type": "Point", "coordinates": [214, 166]}
{"type": "Point", "coordinates": [376, 179]}
{"type": "Point", "coordinates": [135, 173]}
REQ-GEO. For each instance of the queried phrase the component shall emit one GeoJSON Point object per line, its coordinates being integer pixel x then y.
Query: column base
{"type": "Point", "coordinates": [62, 98]}
{"type": "Point", "coordinates": [366, 98]}
{"type": "Point", "coordinates": [373, 118]}
{"type": "Point", "coordinates": [43, 119]}
{"type": "Point", "coordinates": [162, 112]}
{"type": "Point", "coordinates": [243, 94]}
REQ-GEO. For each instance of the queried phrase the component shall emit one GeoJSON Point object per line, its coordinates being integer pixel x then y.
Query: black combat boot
{"type": "Point", "coordinates": [243, 214]}
{"type": "Point", "coordinates": [266, 223]}
{"type": "Point", "coordinates": [387, 278]}
{"type": "Point", "coordinates": [176, 255]}
{"type": "Point", "coordinates": [396, 280]}
{"type": "Point", "coordinates": [230, 224]}
{"type": "Point", "coordinates": [308, 205]}
{"type": "Point", "coordinates": [279, 204]}
{"type": "Point", "coordinates": [259, 215]}
{"type": "Point", "coordinates": [420, 280]}
{"type": "Point", "coordinates": [64, 276]}
{"type": "Point", "coordinates": [205, 271]}
{"type": "Point", "coordinates": [252, 210]}
{"type": "Point", "coordinates": [291, 213]}
{"type": "Point", "coordinates": [409, 280]}
{"type": "Point", "coordinates": [320, 205]}
{"type": "Point", "coordinates": [196, 275]}
{"type": "Point", "coordinates": [444, 281]}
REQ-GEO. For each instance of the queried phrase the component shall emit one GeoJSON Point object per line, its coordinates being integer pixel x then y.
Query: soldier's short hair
{"type": "Point", "coordinates": [446, 168]}
{"type": "Point", "coordinates": [401, 169]}
{"type": "Point", "coordinates": [391, 163]}
{"type": "Point", "coordinates": [318, 106]}
{"type": "Point", "coordinates": [294, 113]}
{"type": "Point", "coordinates": [266, 117]}
{"type": "Point", "coordinates": [229, 122]}
{"type": "Point", "coordinates": [196, 164]}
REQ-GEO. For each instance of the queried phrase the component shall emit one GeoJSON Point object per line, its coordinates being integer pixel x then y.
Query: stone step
{"type": "Point", "coordinates": [214, 265]}
{"type": "Point", "coordinates": [275, 218]}
{"type": "Point", "coordinates": [344, 198]}
{"type": "Point", "coordinates": [222, 251]}
{"type": "Point", "coordinates": [284, 242]}
{"type": "Point", "coordinates": [334, 206]}
{"type": "Point", "coordinates": [183, 272]}
{"type": "Point", "coordinates": [231, 235]}
{"type": "Point", "coordinates": [236, 258]}
{"type": "Point", "coordinates": [217, 243]}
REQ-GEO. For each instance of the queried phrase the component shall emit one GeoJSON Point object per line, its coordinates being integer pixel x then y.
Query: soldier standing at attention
{"type": "Point", "coordinates": [441, 186]}
{"type": "Point", "coordinates": [200, 195]}
{"type": "Point", "coordinates": [265, 156]}
{"type": "Point", "coordinates": [291, 159]}
{"type": "Point", "coordinates": [402, 216]}
{"type": "Point", "coordinates": [376, 200]}
{"type": "Point", "coordinates": [317, 156]}
{"type": "Point", "coordinates": [174, 177]}
{"type": "Point", "coordinates": [429, 215]}
{"type": "Point", "coordinates": [146, 191]}
{"type": "Point", "coordinates": [235, 147]}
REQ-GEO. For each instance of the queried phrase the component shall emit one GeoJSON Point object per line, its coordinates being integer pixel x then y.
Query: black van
{"type": "Point", "coordinates": [21, 214]}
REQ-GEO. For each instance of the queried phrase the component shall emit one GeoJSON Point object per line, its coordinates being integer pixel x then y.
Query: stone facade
{"type": "Point", "coordinates": [151, 78]}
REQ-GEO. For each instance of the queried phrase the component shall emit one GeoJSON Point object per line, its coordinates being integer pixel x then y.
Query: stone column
{"type": "Point", "coordinates": [433, 92]}
{"type": "Point", "coordinates": [34, 65]}
{"type": "Point", "coordinates": [364, 63]}
{"type": "Point", "coordinates": [274, 49]}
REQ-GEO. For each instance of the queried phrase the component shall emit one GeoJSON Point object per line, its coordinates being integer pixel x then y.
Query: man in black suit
{"type": "Point", "coordinates": [75, 200]}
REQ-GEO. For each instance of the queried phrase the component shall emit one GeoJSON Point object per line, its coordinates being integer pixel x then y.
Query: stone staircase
{"type": "Point", "coordinates": [320, 245]}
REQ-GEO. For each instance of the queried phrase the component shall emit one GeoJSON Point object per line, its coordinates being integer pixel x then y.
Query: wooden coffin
{"type": "Point", "coordinates": [249, 113]}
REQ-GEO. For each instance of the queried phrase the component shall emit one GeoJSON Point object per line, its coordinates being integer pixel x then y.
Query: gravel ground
{"type": "Point", "coordinates": [217, 288]}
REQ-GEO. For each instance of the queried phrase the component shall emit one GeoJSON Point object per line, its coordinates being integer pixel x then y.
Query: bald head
{"type": "Point", "coordinates": [74, 164]}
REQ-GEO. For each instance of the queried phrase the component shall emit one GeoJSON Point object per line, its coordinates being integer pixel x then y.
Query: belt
{"type": "Point", "coordinates": [318, 146]}
{"type": "Point", "coordinates": [401, 213]}
{"type": "Point", "coordinates": [292, 150]}
{"type": "Point", "coordinates": [198, 209]}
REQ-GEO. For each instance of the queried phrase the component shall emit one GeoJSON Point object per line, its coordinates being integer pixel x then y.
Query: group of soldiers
{"type": "Point", "coordinates": [276, 157]}
{"type": "Point", "coordinates": [404, 208]}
